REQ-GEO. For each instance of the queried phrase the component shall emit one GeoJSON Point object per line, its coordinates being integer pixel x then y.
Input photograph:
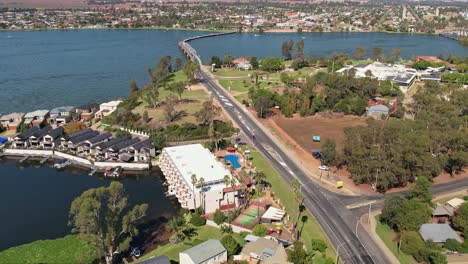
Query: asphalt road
{"type": "Point", "coordinates": [335, 219]}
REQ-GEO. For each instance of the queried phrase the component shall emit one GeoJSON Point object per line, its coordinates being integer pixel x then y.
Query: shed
{"type": "Point", "coordinates": [455, 203]}
{"type": "Point", "coordinates": [441, 211]}
{"type": "Point", "coordinates": [273, 215]}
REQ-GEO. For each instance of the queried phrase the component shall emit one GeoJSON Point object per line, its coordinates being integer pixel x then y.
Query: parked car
{"type": "Point", "coordinates": [323, 167]}
{"type": "Point", "coordinates": [317, 154]}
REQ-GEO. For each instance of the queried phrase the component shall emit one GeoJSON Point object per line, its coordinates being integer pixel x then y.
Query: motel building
{"type": "Point", "coordinates": [179, 163]}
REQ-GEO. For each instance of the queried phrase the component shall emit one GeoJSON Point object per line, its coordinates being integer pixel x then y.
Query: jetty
{"type": "Point", "coordinates": [44, 160]}
{"type": "Point", "coordinates": [24, 159]}
{"type": "Point", "coordinates": [91, 173]}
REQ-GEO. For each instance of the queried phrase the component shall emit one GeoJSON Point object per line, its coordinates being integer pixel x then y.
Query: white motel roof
{"type": "Point", "coordinates": [195, 159]}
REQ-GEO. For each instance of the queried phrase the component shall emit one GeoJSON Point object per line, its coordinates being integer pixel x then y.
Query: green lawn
{"type": "Point", "coordinates": [231, 72]}
{"type": "Point", "coordinates": [63, 250]}
{"type": "Point", "coordinates": [387, 234]}
{"type": "Point", "coordinates": [243, 86]}
{"type": "Point", "coordinates": [311, 229]}
{"type": "Point", "coordinates": [203, 233]}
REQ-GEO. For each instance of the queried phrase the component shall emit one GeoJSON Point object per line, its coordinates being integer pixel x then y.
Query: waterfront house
{"type": "Point", "coordinates": [106, 109]}
{"type": "Point", "coordinates": [142, 151]}
{"type": "Point", "coordinates": [37, 117]}
{"type": "Point", "coordinates": [50, 139]}
{"type": "Point", "coordinates": [61, 115]}
{"type": "Point", "coordinates": [112, 153]}
{"type": "Point", "coordinates": [12, 121]}
{"type": "Point", "coordinates": [21, 140]}
{"type": "Point", "coordinates": [87, 111]}
{"type": "Point", "coordinates": [208, 252]}
{"type": "Point", "coordinates": [179, 163]}
{"type": "Point", "coordinates": [65, 138]}
{"type": "Point", "coordinates": [99, 150]}
{"type": "Point", "coordinates": [36, 138]}
{"type": "Point", "coordinates": [88, 144]}
{"type": "Point", "coordinates": [73, 143]}
{"type": "Point", "coordinates": [263, 250]}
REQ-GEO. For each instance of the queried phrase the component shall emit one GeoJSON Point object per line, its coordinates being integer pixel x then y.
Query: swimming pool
{"type": "Point", "coordinates": [234, 159]}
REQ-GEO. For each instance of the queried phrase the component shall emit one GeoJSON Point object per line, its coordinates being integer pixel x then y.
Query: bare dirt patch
{"type": "Point", "coordinates": [327, 126]}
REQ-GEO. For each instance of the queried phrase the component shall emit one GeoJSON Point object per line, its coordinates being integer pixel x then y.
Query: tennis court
{"type": "Point", "coordinates": [249, 217]}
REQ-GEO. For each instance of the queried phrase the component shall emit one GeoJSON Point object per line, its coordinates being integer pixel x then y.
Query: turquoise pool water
{"type": "Point", "coordinates": [234, 160]}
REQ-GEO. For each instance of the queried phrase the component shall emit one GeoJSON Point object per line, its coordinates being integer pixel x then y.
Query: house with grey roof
{"type": "Point", "coordinates": [442, 211]}
{"type": "Point", "coordinates": [87, 145]}
{"type": "Point", "coordinates": [21, 140]}
{"type": "Point", "coordinates": [65, 138]}
{"type": "Point", "coordinates": [37, 117]}
{"type": "Point", "coordinates": [208, 252]}
{"type": "Point", "coordinates": [112, 152]}
{"type": "Point", "coordinates": [74, 142]}
{"type": "Point", "coordinates": [262, 250]}
{"type": "Point", "coordinates": [50, 139]}
{"type": "Point", "coordinates": [61, 115]}
{"type": "Point", "coordinates": [100, 149]}
{"type": "Point", "coordinates": [12, 121]}
{"type": "Point", "coordinates": [142, 151]}
{"type": "Point", "coordinates": [36, 138]}
{"type": "Point", "coordinates": [377, 111]}
{"type": "Point", "coordinates": [438, 233]}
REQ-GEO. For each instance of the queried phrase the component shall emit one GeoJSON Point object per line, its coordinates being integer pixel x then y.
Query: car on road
{"type": "Point", "coordinates": [323, 167]}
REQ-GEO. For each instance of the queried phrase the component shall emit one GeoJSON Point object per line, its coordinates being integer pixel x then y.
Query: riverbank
{"type": "Point", "coordinates": [142, 28]}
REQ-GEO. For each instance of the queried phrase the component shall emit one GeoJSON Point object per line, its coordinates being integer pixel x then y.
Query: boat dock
{"type": "Point", "coordinates": [44, 160]}
{"type": "Point", "coordinates": [91, 173]}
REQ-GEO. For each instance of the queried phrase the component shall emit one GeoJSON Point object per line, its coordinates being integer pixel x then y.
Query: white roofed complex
{"type": "Point", "coordinates": [180, 163]}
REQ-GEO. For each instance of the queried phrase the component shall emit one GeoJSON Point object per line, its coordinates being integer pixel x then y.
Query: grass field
{"type": "Point", "coordinates": [243, 86]}
{"type": "Point", "coordinates": [311, 229]}
{"type": "Point", "coordinates": [387, 235]}
{"type": "Point", "coordinates": [63, 250]}
{"type": "Point", "coordinates": [248, 218]}
{"type": "Point", "coordinates": [230, 72]}
{"type": "Point", "coordinates": [203, 233]}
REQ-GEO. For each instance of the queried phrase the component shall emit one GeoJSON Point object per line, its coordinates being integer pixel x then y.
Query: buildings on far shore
{"type": "Point", "coordinates": [180, 163]}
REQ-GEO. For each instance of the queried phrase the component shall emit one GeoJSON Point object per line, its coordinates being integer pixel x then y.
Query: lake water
{"type": "Point", "coordinates": [46, 69]}
{"type": "Point", "coordinates": [35, 200]}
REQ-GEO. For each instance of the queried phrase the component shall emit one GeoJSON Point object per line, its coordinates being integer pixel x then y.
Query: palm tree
{"type": "Point", "coordinates": [227, 180]}
{"type": "Point", "coordinates": [233, 184]}
{"type": "Point", "coordinates": [194, 181]}
{"type": "Point", "coordinates": [202, 185]}
{"type": "Point", "coordinates": [260, 177]}
{"type": "Point", "coordinates": [299, 199]}
{"type": "Point", "coordinates": [175, 224]}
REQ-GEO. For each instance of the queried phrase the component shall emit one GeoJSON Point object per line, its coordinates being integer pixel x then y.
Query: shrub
{"type": "Point", "coordinates": [411, 243]}
{"type": "Point", "coordinates": [197, 220]}
{"type": "Point", "coordinates": [319, 245]}
{"type": "Point", "coordinates": [260, 230]}
{"type": "Point", "coordinates": [231, 245]}
{"type": "Point", "coordinates": [226, 229]}
{"type": "Point", "coordinates": [243, 234]}
{"type": "Point", "coordinates": [219, 217]}
{"type": "Point", "coordinates": [199, 210]}
{"type": "Point", "coordinates": [452, 245]}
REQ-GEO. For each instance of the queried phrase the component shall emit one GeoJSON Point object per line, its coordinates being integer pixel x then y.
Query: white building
{"type": "Point", "coordinates": [397, 73]}
{"type": "Point", "coordinates": [106, 109]}
{"type": "Point", "coordinates": [179, 163]}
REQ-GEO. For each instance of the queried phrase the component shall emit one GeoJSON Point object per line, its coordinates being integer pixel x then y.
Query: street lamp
{"type": "Point", "coordinates": [338, 250]}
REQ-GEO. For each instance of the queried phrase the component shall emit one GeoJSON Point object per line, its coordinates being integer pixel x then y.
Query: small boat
{"type": "Point", "coordinates": [136, 252]}
{"type": "Point", "coordinates": [117, 171]}
{"type": "Point", "coordinates": [61, 163]}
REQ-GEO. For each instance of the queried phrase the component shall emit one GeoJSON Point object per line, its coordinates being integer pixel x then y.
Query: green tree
{"type": "Point", "coordinates": [422, 190]}
{"type": "Point", "coordinates": [216, 61]}
{"type": "Point", "coordinates": [272, 64]}
{"type": "Point", "coordinates": [359, 53]}
{"type": "Point", "coordinates": [396, 54]}
{"type": "Point", "coordinates": [411, 242]}
{"type": "Point", "coordinates": [319, 245]}
{"type": "Point", "coordinates": [178, 64]}
{"type": "Point", "coordinates": [415, 214]}
{"type": "Point", "coordinates": [392, 210]}
{"type": "Point", "coordinates": [208, 112]}
{"type": "Point", "coordinates": [452, 245]}
{"type": "Point", "coordinates": [300, 49]}
{"type": "Point", "coordinates": [228, 60]}
{"type": "Point", "coordinates": [297, 254]}
{"type": "Point", "coordinates": [254, 63]}
{"type": "Point", "coordinates": [189, 69]}
{"type": "Point", "coordinates": [194, 181]}
{"type": "Point", "coordinates": [179, 88]}
{"type": "Point", "coordinates": [286, 49]}
{"type": "Point", "coordinates": [262, 105]}
{"type": "Point", "coordinates": [377, 53]}
{"type": "Point", "coordinates": [219, 217]}
{"type": "Point", "coordinates": [103, 217]}
{"type": "Point", "coordinates": [260, 230]}
{"type": "Point", "coordinates": [461, 219]}
{"type": "Point", "coordinates": [329, 152]}
{"type": "Point", "coordinates": [145, 116]}
{"type": "Point", "coordinates": [231, 245]}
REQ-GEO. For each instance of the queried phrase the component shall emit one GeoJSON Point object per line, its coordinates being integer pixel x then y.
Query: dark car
{"type": "Point", "coordinates": [317, 154]}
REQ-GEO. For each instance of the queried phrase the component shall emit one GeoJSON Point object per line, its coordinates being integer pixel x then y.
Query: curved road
{"type": "Point", "coordinates": [342, 226]}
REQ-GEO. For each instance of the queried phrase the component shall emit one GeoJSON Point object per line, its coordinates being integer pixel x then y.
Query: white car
{"type": "Point", "coordinates": [323, 167]}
